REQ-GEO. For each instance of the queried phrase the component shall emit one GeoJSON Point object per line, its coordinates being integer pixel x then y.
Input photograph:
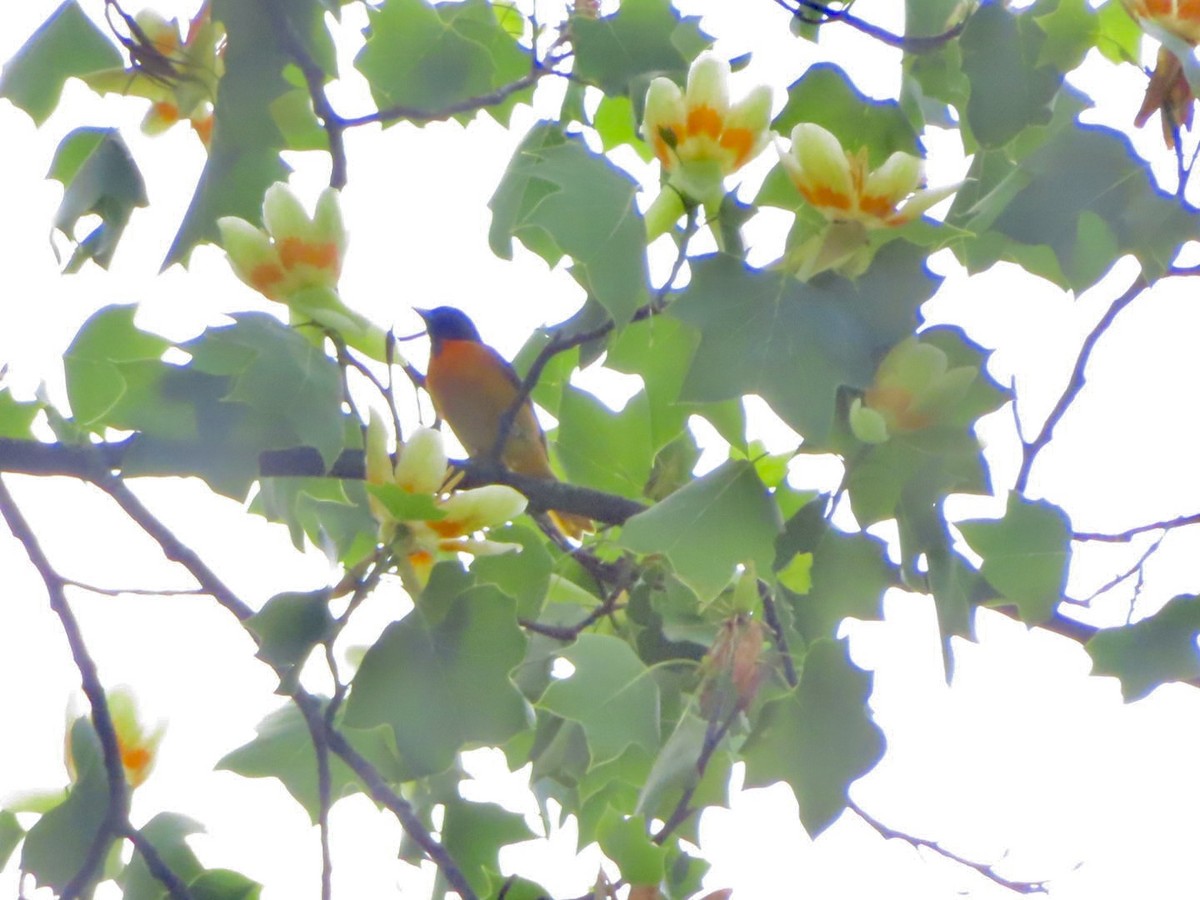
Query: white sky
{"type": "Point", "coordinates": [1026, 759]}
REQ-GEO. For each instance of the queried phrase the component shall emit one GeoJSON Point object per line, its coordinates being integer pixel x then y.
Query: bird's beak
{"type": "Point", "coordinates": [423, 313]}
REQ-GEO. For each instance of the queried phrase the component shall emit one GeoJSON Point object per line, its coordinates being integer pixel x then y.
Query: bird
{"type": "Point", "coordinates": [472, 386]}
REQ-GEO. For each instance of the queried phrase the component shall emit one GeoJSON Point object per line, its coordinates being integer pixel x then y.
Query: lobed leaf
{"type": "Point", "coordinates": [818, 738]}
{"type": "Point", "coordinates": [67, 44]}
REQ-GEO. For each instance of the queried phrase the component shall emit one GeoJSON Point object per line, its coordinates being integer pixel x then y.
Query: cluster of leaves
{"type": "Point", "coordinates": [702, 631]}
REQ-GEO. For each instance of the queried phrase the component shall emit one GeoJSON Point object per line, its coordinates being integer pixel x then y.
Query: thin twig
{"type": "Point", "coordinates": [1020, 887]}
{"type": "Point", "coordinates": [771, 615]}
{"type": "Point", "coordinates": [1121, 577]}
{"type": "Point", "coordinates": [683, 809]}
{"type": "Point", "coordinates": [115, 823]}
{"type": "Point", "coordinates": [1030, 449]}
{"type": "Point", "coordinates": [157, 866]}
{"type": "Point", "coordinates": [560, 342]}
{"type": "Point", "coordinates": [568, 633]}
{"type": "Point", "coordinates": [314, 79]}
{"type": "Point", "coordinates": [826, 14]}
{"type": "Point", "coordinates": [470, 104]}
{"type": "Point", "coordinates": [317, 730]}
{"type": "Point", "coordinates": [135, 592]}
{"type": "Point", "coordinates": [1129, 534]}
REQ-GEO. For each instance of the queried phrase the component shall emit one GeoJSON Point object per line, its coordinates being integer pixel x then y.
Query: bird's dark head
{"type": "Point", "coordinates": [448, 324]}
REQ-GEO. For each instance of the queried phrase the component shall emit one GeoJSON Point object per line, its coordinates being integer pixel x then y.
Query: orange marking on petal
{"type": "Point", "coordinates": [896, 403]}
{"type": "Point", "coordinates": [740, 141]}
{"type": "Point", "coordinates": [167, 111]}
{"type": "Point", "coordinates": [264, 277]}
{"type": "Point", "coordinates": [295, 251]}
{"type": "Point", "coordinates": [662, 149]}
{"type": "Point", "coordinates": [879, 207]}
{"type": "Point", "coordinates": [166, 43]}
{"type": "Point", "coordinates": [447, 528]}
{"type": "Point", "coordinates": [136, 761]}
{"type": "Point", "coordinates": [705, 120]}
{"type": "Point", "coordinates": [203, 129]}
{"type": "Point", "coordinates": [825, 197]}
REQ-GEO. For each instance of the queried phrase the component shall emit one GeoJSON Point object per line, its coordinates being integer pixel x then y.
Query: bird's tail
{"type": "Point", "coordinates": [573, 526]}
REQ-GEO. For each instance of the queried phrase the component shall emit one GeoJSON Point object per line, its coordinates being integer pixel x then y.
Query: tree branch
{"type": "Point", "coordinates": [1130, 533]}
{"type": "Point", "coordinates": [1030, 449]}
{"type": "Point", "coordinates": [96, 463]}
{"type": "Point", "coordinates": [800, 9]}
{"type": "Point", "coordinates": [116, 822]}
{"type": "Point", "coordinates": [176, 550]}
{"type": "Point", "coordinates": [885, 831]}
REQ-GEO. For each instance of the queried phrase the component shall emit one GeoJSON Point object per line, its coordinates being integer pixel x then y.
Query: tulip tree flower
{"type": "Point", "coordinates": [913, 388]}
{"type": "Point", "coordinates": [297, 261]}
{"type": "Point", "coordinates": [853, 198]}
{"type": "Point", "coordinates": [138, 747]}
{"type": "Point", "coordinates": [700, 137]}
{"type": "Point", "coordinates": [842, 187]}
{"type": "Point", "coordinates": [418, 516]}
{"type": "Point", "coordinates": [1179, 17]}
{"type": "Point", "coordinates": [178, 75]}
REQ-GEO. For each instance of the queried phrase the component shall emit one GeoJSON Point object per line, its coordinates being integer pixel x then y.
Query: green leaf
{"type": "Point", "coordinates": [333, 514]}
{"type": "Point", "coordinates": [617, 125]}
{"type": "Point", "coordinates": [167, 833]}
{"type": "Point", "coordinates": [1070, 27]}
{"type": "Point", "coordinates": [223, 884]}
{"type": "Point", "coordinates": [674, 769]}
{"type": "Point", "coordinates": [602, 449]}
{"type": "Point", "coordinates": [429, 58]}
{"type": "Point", "coordinates": [290, 625]}
{"type": "Point", "coordinates": [621, 52]}
{"type": "Point", "coordinates": [524, 576]}
{"type": "Point", "coordinates": [710, 526]}
{"type": "Point", "coordinates": [830, 331]}
{"type": "Point", "coordinates": [404, 506]}
{"type": "Point", "coordinates": [96, 363]}
{"type": "Point", "coordinates": [440, 678]}
{"type": "Point", "coordinates": [473, 834]}
{"type": "Point", "coordinates": [1085, 197]}
{"type": "Point", "coordinates": [849, 575]}
{"type": "Point", "coordinates": [99, 177]}
{"type": "Point", "coordinates": [819, 738]}
{"type": "Point", "coordinates": [1150, 652]}
{"type": "Point", "coordinates": [1118, 35]}
{"type": "Point", "coordinates": [658, 349]}
{"type": "Point", "coordinates": [920, 467]}
{"type": "Point", "coordinates": [561, 199]}
{"type": "Point", "coordinates": [1010, 89]}
{"type": "Point", "coordinates": [11, 834]}
{"type": "Point", "coordinates": [67, 44]}
{"type": "Point", "coordinates": [1024, 554]}
{"type": "Point", "coordinates": [610, 694]}
{"type": "Point", "coordinates": [16, 417]}
{"type": "Point", "coordinates": [685, 874]}
{"type": "Point", "coordinates": [290, 390]}
{"type": "Point", "coordinates": [57, 845]}
{"type": "Point", "coordinates": [283, 749]}
{"type": "Point", "coordinates": [626, 841]}
{"type": "Point", "coordinates": [243, 160]}
{"type": "Point", "coordinates": [826, 96]}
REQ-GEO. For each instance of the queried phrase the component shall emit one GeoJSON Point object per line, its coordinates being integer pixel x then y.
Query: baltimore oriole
{"type": "Point", "coordinates": [472, 387]}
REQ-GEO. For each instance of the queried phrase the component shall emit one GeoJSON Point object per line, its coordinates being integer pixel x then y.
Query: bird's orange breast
{"type": "Point", "coordinates": [472, 387]}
